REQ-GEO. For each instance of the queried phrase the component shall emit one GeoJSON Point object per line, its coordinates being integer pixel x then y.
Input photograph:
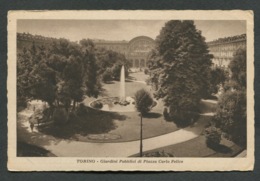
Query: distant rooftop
{"type": "Point", "coordinates": [228, 39]}
{"type": "Point", "coordinates": [108, 41]}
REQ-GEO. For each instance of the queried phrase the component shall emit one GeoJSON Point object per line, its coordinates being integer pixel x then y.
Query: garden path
{"type": "Point", "coordinates": [71, 148]}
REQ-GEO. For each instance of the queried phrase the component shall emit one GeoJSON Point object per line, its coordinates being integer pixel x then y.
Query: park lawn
{"type": "Point", "coordinates": [28, 150]}
{"type": "Point", "coordinates": [112, 89]}
{"type": "Point", "coordinates": [197, 148]}
{"type": "Point", "coordinates": [124, 126]}
{"type": "Point", "coordinates": [139, 76]}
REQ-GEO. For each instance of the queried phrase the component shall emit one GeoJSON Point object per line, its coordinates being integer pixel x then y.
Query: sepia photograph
{"type": "Point", "coordinates": [130, 90]}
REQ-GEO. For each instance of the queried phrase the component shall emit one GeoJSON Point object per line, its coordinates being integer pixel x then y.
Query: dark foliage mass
{"type": "Point", "coordinates": [231, 113]}
{"type": "Point", "coordinates": [143, 101]}
{"type": "Point", "coordinates": [65, 71]}
{"type": "Point", "coordinates": [109, 64]}
{"type": "Point", "coordinates": [60, 75]}
{"type": "Point", "coordinates": [180, 68]}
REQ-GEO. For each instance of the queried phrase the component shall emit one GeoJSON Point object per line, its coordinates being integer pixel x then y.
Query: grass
{"type": "Point", "coordinates": [197, 148]}
{"type": "Point", "coordinates": [125, 125]}
{"type": "Point", "coordinates": [112, 90]}
{"type": "Point", "coordinates": [28, 150]}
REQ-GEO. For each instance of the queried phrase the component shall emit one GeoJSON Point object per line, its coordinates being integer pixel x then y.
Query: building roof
{"type": "Point", "coordinates": [228, 39]}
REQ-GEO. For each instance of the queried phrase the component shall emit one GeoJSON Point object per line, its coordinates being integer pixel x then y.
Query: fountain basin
{"type": "Point", "coordinates": [114, 104]}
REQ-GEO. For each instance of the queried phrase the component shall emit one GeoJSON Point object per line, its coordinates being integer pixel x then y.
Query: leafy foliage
{"type": "Point", "coordinates": [213, 136]}
{"type": "Point", "coordinates": [91, 78]}
{"type": "Point", "coordinates": [238, 68]}
{"type": "Point", "coordinates": [110, 63]}
{"type": "Point", "coordinates": [62, 74]}
{"type": "Point", "coordinates": [217, 78]}
{"type": "Point", "coordinates": [179, 67]}
{"type": "Point", "coordinates": [231, 114]}
{"type": "Point", "coordinates": [143, 101]}
{"type": "Point", "coordinates": [97, 105]}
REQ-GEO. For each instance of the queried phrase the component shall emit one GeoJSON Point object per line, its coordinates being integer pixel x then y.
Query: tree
{"type": "Point", "coordinates": [231, 113]}
{"type": "Point", "coordinates": [24, 67]}
{"type": "Point", "coordinates": [73, 76]}
{"type": "Point", "coordinates": [179, 67]}
{"type": "Point", "coordinates": [109, 64]}
{"type": "Point", "coordinates": [59, 75]}
{"type": "Point", "coordinates": [91, 77]}
{"type": "Point", "coordinates": [231, 116]}
{"type": "Point", "coordinates": [143, 104]}
{"type": "Point", "coordinates": [217, 78]}
{"type": "Point", "coordinates": [238, 68]}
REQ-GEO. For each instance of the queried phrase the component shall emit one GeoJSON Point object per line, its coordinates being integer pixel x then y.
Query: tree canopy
{"type": "Point", "coordinates": [180, 65]}
{"type": "Point", "coordinates": [109, 64]}
{"type": "Point", "coordinates": [231, 114]}
{"type": "Point", "coordinates": [143, 101]}
{"type": "Point", "coordinates": [58, 75]}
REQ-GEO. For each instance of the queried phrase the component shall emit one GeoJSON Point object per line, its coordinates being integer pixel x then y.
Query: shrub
{"type": "Point", "coordinates": [60, 116]}
{"type": "Point", "coordinates": [72, 117]}
{"type": "Point", "coordinates": [183, 118]}
{"type": "Point", "coordinates": [116, 71]}
{"type": "Point", "coordinates": [213, 136]}
{"type": "Point", "coordinates": [143, 101]}
{"type": "Point", "coordinates": [107, 75]}
{"type": "Point", "coordinates": [158, 154]}
{"type": "Point", "coordinates": [97, 105]}
{"type": "Point", "coordinates": [231, 116]}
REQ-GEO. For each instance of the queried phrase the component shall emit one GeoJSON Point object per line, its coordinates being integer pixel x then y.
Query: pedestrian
{"type": "Point", "coordinates": [32, 126]}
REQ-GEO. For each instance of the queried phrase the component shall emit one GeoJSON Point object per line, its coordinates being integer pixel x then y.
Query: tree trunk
{"type": "Point", "coordinates": [74, 105]}
{"type": "Point", "coordinates": [49, 117]}
{"type": "Point", "coordinates": [141, 136]}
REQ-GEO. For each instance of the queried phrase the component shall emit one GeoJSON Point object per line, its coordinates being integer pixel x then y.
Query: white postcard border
{"type": "Point", "coordinates": [176, 164]}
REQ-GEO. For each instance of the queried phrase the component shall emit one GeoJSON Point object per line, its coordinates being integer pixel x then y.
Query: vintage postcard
{"type": "Point", "coordinates": [130, 90]}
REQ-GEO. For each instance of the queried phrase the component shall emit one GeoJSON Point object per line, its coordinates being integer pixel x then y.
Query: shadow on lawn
{"type": "Point", "coordinates": [221, 148]}
{"type": "Point", "coordinates": [109, 82]}
{"type": "Point", "coordinates": [85, 122]}
{"type": "Point", "coordinates": [28, 150]}
{"type": "Point", "coordinates": [152, 115]}
{"type": "Point", "coordinates": [130, 78]}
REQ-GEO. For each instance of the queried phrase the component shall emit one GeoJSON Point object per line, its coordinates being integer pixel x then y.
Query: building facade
{"type": "Point", "coordinates": [137, 50]}
{"type": "Point", "coordinates": [223, 49]}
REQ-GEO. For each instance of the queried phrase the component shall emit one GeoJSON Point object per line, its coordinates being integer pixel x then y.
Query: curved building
{"type": "Point", "coordinates": [136, 50]}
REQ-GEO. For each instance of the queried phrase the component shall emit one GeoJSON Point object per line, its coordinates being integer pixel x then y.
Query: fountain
{"type": "Point", "coordinates": [122, 84]}
{"type": "Point", "coordinates": [116, 104]}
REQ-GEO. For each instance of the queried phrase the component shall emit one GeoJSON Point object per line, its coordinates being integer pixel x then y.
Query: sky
{"type": "Point", "coordinates": [76, 30]}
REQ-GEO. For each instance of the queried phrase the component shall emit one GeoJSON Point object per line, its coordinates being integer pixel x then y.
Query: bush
{"type": "Point", "coordinates": [213, 136]}
{"type": "Point", "coordinates": [143, 101]}
{"type": "Point", "coordinates": [116, 71]}
{"type": "Point", "coordinates": [158, 154]}
{"type": "Point", "coordinates": [97, 105]}
{"type": "Point", "coordinates": [107, 75]}
{"type": "Point", "coordinates": [60, 116]}
{"type": "Point", "coordinates": [183, 118]}
{"type": "Point", "coordinates": [231, 116]}
{"type": "Point", "coordinates": [73, 117]}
